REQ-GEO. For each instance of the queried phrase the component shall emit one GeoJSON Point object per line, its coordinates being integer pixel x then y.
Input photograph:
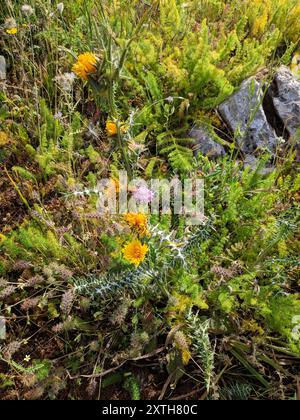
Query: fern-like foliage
{"type": "Point", "coordinates": [57, 145]}
{"type": "Point", "coordinates": [177, 150]}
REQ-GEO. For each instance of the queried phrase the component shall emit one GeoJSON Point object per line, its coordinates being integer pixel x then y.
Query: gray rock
{"type": "Point", "coordinates": [205, 144]}
{"type": "Point", "coordinates": [244, 115]}
{"type": "Point", "coordinates": [285, 92]}
{"type": "Point", "coordinates": [2, 68]}
{"type": "Point", "coordinates": [253, 164]}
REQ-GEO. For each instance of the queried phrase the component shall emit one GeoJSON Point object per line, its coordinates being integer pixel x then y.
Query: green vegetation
{"type": "Point", "coordinates": [214, 307]}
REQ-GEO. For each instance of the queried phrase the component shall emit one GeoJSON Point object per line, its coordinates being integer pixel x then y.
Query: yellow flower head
{"type": "Point", "coordinates": [112, 128]}
{"type": "Point", "coordinates": [135, 252]}
{"type": "Point", "coordinates": [138, 221]}
{"type": "Point", "coordinates": [12, 31]}
{"type": "Point", "coordinates": [86, 64]}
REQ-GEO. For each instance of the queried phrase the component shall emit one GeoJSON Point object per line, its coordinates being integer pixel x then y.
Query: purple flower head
{"type": "Point", "coordinates": [143, 195]}
{"type": "Point", "coordinates": [58, 115]}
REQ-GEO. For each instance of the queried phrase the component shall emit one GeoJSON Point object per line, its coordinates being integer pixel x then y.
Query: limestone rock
{"type": "Point", "coordinates": [205, 143]}
{"type": "Point", "coordinates": [285, 92]}
{"type": "Point", "coordinates": [243, 113]}
{"type": "Point", "coordinates": [253, 164]}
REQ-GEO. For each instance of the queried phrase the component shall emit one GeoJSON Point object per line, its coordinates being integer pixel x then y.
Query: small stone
{"type": "Point", "coordinates": [285, 92]}
{"type": "Point", "coordinates": [2, 68]}
{"type": "Point", "coordinates": [243, 113]}
{"type": "Point", "coordinates": [205, 143]}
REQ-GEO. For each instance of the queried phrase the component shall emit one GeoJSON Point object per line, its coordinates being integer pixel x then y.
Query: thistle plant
{"type": "Point", "coordinates": [204, 350]}
{"type": "Point", "coordinates": [104, 73]}
{"type": "Point", "coordinates": [87, 88]}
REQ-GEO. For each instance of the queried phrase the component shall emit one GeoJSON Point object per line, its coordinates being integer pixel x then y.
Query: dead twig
{"type": "Point", "coordinates": [106, 372]}
{"type": "Point", "coordinates": [183, 397]}
{"type": "Point", "coordinates": [166, 385]}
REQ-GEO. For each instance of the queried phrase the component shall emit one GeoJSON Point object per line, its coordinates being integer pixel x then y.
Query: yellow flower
{"type": "Point", "coordinates": [86, 64]}
{"type": "Point", "coordinates": [27, 358]}
{"type": "Point", "coordinates": [138, 221]}
{"type": "Point", "coordinates": [112, 128]}
{"type": "Point", "coordinates": [135, 252]}
{"type": "Point", "coordinates": [12, 31]}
